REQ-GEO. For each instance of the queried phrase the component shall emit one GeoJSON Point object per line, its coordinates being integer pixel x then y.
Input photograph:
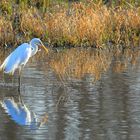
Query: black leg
{"type": "Point", "coordinates": [19, 80]}
{"type": "Point", "coordinates": [19, 88]}
{"type": "Point", "coordinates": [19, 83]}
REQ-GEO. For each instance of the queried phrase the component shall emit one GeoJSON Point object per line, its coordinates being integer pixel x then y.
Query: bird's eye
{"type": "Point", "coordinates": [32, 48]}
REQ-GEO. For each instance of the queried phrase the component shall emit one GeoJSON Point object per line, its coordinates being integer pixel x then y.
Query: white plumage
{"type": "Point", "coordinates": [20, 56]}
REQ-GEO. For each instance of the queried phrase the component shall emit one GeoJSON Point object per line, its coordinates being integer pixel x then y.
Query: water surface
{"type": "Point", "coordinates": [86, 95]}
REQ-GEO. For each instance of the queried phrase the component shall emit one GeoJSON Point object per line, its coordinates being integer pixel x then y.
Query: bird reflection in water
{"type": "Point", "coordinates": [19, 113]}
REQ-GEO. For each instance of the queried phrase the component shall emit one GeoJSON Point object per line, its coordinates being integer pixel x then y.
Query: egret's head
{"type": "Point", "coordinates": [38, 42]}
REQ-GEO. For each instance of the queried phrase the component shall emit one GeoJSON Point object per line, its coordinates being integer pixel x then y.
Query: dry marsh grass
{"type": "Point", "coordinates": [31, 23]}
{"type": "Point", "coordinates": [6, 31]}
{"type": "Point", "coordinates": [82, 24]}
{"type": "Point", "coordinates": [95, 25]}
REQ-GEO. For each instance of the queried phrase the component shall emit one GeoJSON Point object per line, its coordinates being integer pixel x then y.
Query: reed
{"type": "Point", "coordinates": [31, 23]}
{"type": "Point", "coordinates": [94, 25]}
{"type": "Point", "coordinates": [88, 24]}
{"type": "Point", "coordinates": [6, 32]}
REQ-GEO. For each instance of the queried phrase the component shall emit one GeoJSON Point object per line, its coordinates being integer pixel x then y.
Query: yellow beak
{"type": "Point", "coordinates": [45, 48]}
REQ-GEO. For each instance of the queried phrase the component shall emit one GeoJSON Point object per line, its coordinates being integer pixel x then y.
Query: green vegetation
{"type": "Point", "coordinates": [88, 23]}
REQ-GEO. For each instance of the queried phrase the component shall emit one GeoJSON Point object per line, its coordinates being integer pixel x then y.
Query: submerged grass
{"type": "Point", "coordinates": [79, 63]}
{"type": "Point", "coordinates": [75, 63]}
{"type": "Point", "coordinates": [77, 24]}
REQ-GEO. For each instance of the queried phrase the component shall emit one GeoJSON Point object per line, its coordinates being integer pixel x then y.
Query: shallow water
{"type": "Point", "coordinates": [100, 104]}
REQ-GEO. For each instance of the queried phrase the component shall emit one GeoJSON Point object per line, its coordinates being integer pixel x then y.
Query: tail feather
{"type": "Point", "coordinates": [2, 67]}
{"type": "Point", "coordinates": [6, 68]}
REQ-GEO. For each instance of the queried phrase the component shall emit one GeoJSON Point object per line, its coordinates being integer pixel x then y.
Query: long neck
{"type": "Point", "coordinates": [34, 48]}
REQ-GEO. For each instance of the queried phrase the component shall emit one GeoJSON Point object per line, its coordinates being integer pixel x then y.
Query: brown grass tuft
{"type": "Point", "coordinates": [6, 31]}
{"type": "Point", "coordinates": [31, 23]}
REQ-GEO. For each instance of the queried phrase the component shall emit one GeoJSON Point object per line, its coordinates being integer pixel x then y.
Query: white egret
{"type": "Point", "coordinates": [20, 56]}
